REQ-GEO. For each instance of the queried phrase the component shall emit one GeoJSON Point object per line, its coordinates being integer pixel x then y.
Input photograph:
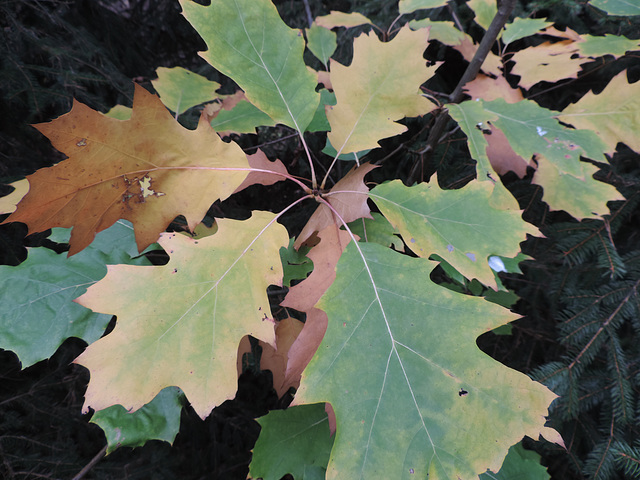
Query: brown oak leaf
{"type": "Point", "coordinates": [275, 359]}
{"type": "Point", "coordinates": [147, 169]}
{"type": "Point", "coordinates": [260, 162]}
{"type": "Point", "coordinates": [304, 296]}
{"type": "Point", "coordinates": [347, 197]}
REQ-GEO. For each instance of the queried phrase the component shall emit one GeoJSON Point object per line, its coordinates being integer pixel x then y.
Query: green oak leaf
{"type": "Point", "coordinates": [523, 27]}
{"type": "Point", "coordinates": [249, 42]}
{"type": "Point", "coordinates": [444, 32]}
{"type": "Point", "coordinates": [322, 42]}
{"type": "Point", "coordinates": [244, 117]}
{"type": "Point", "coordinates": [473, 120]}
{"type": "Point", "coordinates": [460, 226]}
{"type": "Point", "coordinates": [408, 6]}
{"type": "Point", "coordinates": [519, 464]}
{"type": "Point", "coordinates": [414, 397]}
{"type": "Point", "coordinates": [598, 46]}
{"type": "Point", "coordinates": [295, 263]}
{"type": "Point", "coordinates": [617, 7]}
{"type": "Point", "coordinates": [485, 10]}
{"type": "Point", "coordinates": [37, 312]}
{"type": "Point", "coordinates": [531, 129]}
{"type": "Point", "coordinates": [294, 441]}
{"type": "Point", "coordinates": [157, 420]}
{"type": "Point", "coordinates": [180, 89]}
{"type": "Point", "coordinates": [319, 123]}
{"type": "Point", "coordinates": [377, 230]}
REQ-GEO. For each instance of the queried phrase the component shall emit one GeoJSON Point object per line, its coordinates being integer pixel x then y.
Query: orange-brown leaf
{"type": "Point", "coordinates": [325, 256]}
{"type": "Point", "coordinates": [305, 346]}
{"type": "Point", "coordinates": [492, 64]}
{"type": "Point", "coordinates": [488, 88]}
{"type": "Point", "coordinates": [148, 170]}
{"type": "Point", "coordinates": [347, 197]}
{"type": "Point", "coordinates": [260, 162]}
{"type": "Point", "coordinates": [275, 359]}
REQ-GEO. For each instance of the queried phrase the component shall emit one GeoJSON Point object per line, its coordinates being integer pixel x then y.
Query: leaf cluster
{"type": "Point", "coordinates": [386, 355]}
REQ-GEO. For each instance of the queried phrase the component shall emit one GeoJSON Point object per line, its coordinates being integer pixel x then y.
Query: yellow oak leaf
{"type": "Point", "coordinates": [614, 113]}
{"type": "Point", "coordinates": [180, 324]}
{"type": "Point", "coordinates": [381, 85]}
{"type": "Point", "coordinates": [8, 202]}
{"type": "Point", "coordinates": [147, 169]}
{"type": "Point", "coordinates": [342, 19]}
{"type": "Point", "coordinates": [492, 64]}
{"type": "Point", "coordinates": [581, 197]}
{"type": "Point", "coordinates": [548, 62]}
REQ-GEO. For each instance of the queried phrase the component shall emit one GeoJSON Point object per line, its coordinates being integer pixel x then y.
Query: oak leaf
{"type": "Point", "coordinates": [180, 89]}
{"type": "Point", "coordinates": [180, 324]}
{"type": "Point", "coordinates": [426, 401]}
{"type": "Point", "coordinates": [581, 196]}
{"type": "Point", "coordinates": [248, 42]}
{"type": "Point", "coordinates": [8, 202]}
{"type": "Point", "coordinates": [614, 113]}
{"type": "Point", "coordinates": [275, 359]}
{"type": "Point", "coordinates": [381, 86]}
{"type": "Point", "coordinates": [36, 310]}
{"type": "Point", "coordinates": [547, 62]}
{"type": "Point", "coordinates": [304, 295]}
{"type": "Point", "coordinates": [341, 19]}
{"type": "Point", "coordinates": [261, 173]}
{"type": "Point", "coordinates": [408, 6]}
{"type": "Point", "coordinates": [321, 42]}
{"type": "Point", "coordinates": [148, 170]}
{"type": "Point", "coordinates": [348, 197]}
{"type": "Point", "coordinates": [460, 226]}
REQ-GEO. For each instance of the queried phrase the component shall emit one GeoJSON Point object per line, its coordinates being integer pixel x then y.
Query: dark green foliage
{"type": "Point", "coordinates": [591, 277]}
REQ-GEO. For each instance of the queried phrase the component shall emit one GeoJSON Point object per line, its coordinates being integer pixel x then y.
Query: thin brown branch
{"type": "Point", "coordinates": [497, 24]}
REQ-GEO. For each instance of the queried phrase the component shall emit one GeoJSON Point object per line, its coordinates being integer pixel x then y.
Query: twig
{"type": "Point", "coordinates": [504, 10]}
{"type": "Point", "coordinates": [90, 465]}
{"type": "Point", "coordinates": [308, 10]}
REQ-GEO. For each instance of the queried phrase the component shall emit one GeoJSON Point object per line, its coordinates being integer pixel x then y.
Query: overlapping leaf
{"type": "Point", "coordinates": [534, 132]}
{"type": "Point", "coordinates": [322, 42]}
{"type": "Point", "coordinates": [36, 309]}
{"type": "Point", "coordinates": [294, 441]}
{"type": "Point", "coordinates": [157, 420]}
{"type": "Point", "coordinates": [347, 197]}
{"type": "Point", "coordinates": [582, 197]}
{"type": "Point", "coordinates": [458, 225]}
{"type": "Point", "coordinates": [617, 7]}
{"type": "Point", "coordinates": [185, 332]}
{"type": "Point", "coordinates": [426, 402]}
{"type": "Point", "coordinates": [180, 89]}
{"type": "Point", "coordinates": [248, 41]}
{"type": "Point", "coordinates": [134, 169]}
{"type": "Point", "coordinates": [342, 19]}
{"type": "Point", "coordinates": [381, 86]}
{"type": "Point", "coordinates": [408, 6]}
{"type": "Point", "coordinates": [275, 359]}
{"type": "Point", "coordinates": [614, 114]}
